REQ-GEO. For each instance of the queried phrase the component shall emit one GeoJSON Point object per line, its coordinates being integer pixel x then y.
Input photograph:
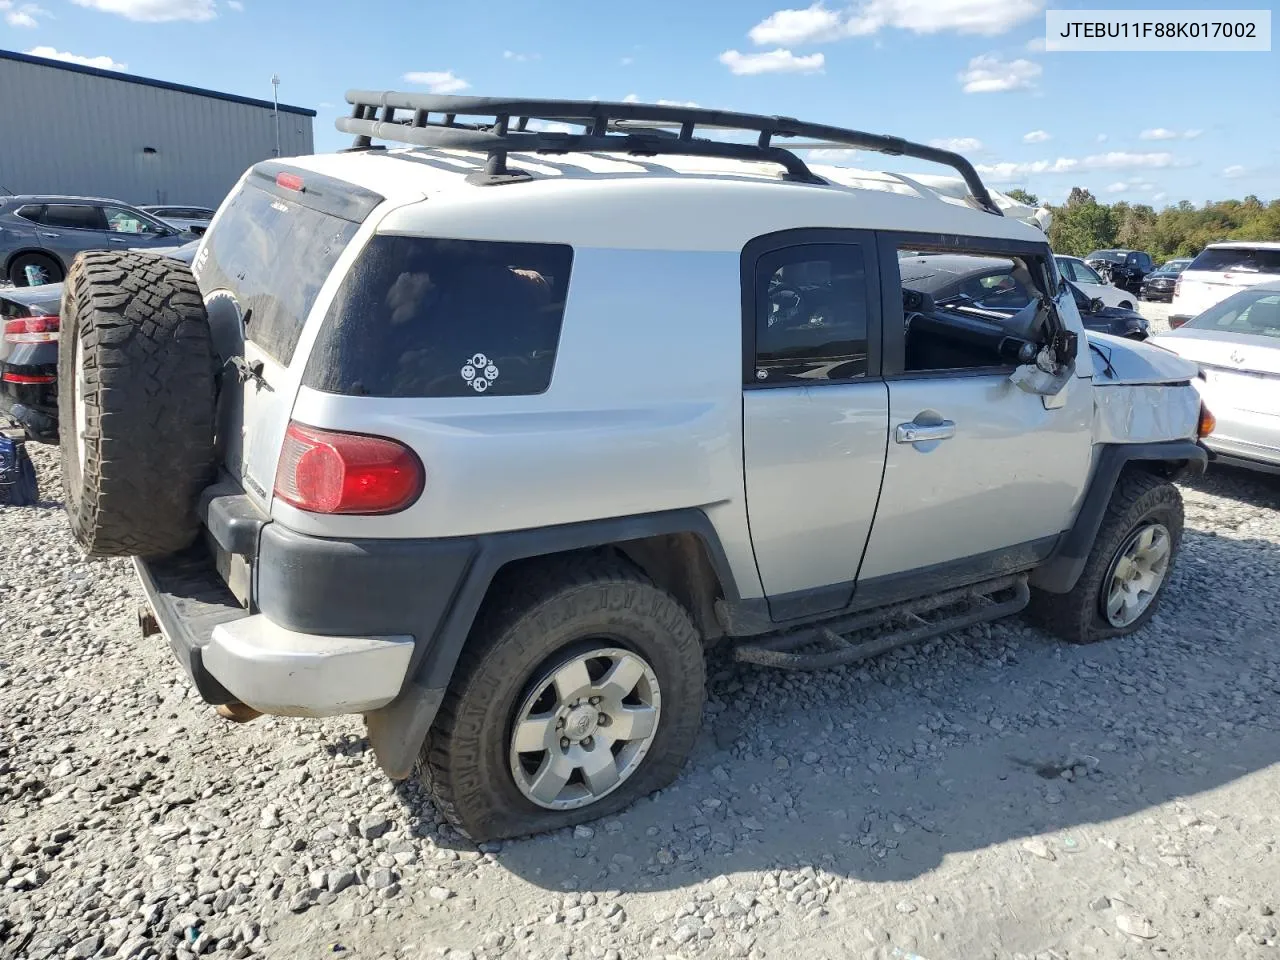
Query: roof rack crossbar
{"type": "Point", "coordinates": [637, 129]}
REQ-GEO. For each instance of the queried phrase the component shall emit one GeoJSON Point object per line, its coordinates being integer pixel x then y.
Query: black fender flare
{"type": "Point", "coordinates": [1060, 572]}
{"type": "Point", "coordinates": [398, 730]}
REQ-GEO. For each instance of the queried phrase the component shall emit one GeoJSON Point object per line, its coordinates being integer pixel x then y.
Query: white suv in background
{"type": "Point", "coordinates": [1220, 270]}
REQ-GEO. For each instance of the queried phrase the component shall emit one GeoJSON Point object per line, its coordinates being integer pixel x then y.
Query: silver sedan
{"type": "Point", "coordinates": [1237, 346]}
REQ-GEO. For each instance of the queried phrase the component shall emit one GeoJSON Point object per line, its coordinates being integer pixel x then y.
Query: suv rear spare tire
{"type": "Point", "coordinates": [136, 403]}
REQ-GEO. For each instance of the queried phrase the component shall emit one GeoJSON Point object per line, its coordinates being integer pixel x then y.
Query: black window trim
{"type": "Point", "coordinates": [893, 319]}
{"type": "Point", "coordinates": [771, 243]}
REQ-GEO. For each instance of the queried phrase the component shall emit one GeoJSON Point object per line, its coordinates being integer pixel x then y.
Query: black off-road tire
{"type": "Point", "coordinates": [1077, 616]}
{"type": "Point", "coordinates": [148, 360]}
{"type": "Point", "coordinates": [543, 610]}
{"type": "Point", "coordinates": [18, 268]}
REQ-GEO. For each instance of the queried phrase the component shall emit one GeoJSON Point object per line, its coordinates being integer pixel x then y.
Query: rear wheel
{"type": "Point", "coordinates": [1127, 569]}
{"type": "Point", "coordinates": [136, 403]}
{"type": "Point", "coordinates": [34, 266]}
{"type": "Point", "coordinates": [579, 691]}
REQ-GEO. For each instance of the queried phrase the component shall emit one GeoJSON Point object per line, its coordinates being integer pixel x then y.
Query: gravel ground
{"type": "Point", "coordinates": [987, 794]}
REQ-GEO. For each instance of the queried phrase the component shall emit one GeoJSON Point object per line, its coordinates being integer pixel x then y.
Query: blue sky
{"type": "Point", "coordinates": [972, 74]}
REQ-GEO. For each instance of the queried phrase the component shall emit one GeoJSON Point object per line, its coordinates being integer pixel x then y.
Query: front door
{"type": "Point", "coordinates": [980, 476]}
{"type": "Point", "coordinates": [815, 413]}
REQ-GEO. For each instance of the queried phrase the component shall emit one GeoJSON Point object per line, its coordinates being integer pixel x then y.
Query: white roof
{"type": "Point", "coordinates": [1249, 244]}
{"type": "Point", "coordinates": [674, 203]}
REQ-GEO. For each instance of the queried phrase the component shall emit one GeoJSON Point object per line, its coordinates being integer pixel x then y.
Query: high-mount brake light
{"type": "Point", "coordinates": [38, 329]}
{"type": "Point", "coordinates": [324, 471]}
{"type": "Point", "coordinates": [290, 181]}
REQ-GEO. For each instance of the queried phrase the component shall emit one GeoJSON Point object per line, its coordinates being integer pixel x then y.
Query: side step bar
{"type": "Point", "coordinates": [829, 644]}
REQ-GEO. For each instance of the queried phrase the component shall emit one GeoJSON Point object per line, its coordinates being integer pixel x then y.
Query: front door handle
{"type": "Point", "coordinates": [49, 236]}
{"type": "Point", "coordinates": [920, 432]}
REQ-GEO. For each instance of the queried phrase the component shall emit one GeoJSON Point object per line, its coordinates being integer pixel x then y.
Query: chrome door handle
{"type": "Point", "coordinates": [919, 432]}
{"type": "Point", "coordinates": [50, 235]}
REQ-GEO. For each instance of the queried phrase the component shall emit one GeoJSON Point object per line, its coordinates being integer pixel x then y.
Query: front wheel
{"type": "Point", "coordinates": [34, 269]}
{"type": "Point", "coordinates": [579, 691]}
{"type": "Point", "coordinates": [1126, 305]}
{"type": "Point", "coordinates": [1127, 569]}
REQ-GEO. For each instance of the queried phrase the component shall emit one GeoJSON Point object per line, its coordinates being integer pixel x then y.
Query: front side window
{"type": "Point", "coordinates": [811, 314]}
{"type": "Point", "coordinates": [74, 216]}
{"type": "Point", "coordinates": [1253, 313]}
{"type": "Point", "coordinates": [123, 220]}
{"type": "Point", "coordinates": [1086, 274]}
{"type": "Point", "coordinates": [426, 317]}
{"type": "Point", "coordinates": [971, 311]}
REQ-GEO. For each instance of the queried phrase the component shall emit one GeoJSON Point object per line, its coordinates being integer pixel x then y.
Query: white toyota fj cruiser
{"type": "Point", "coordinates": [488, 439]}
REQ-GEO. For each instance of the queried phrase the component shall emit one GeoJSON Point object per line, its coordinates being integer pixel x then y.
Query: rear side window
{"type": "Point", "coordinates": [74, 216]}
{"type": "Point", "coordinates": [273, 254]}
{"type": "Point", "coordinates": [1243, 259]}
{"type": "Point", "coordinates": [1254, 313]}
{"type": "Point", "coordinates": [426, 317]}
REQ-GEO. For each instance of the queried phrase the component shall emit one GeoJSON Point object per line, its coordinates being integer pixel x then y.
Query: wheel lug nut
{"type": "Point", "coordinates": [564, 743]}
{"type": "Point", "coordinates": [603, 719]}
{"type": "Point", "coordinates": [587, 743]}
{"type": "Point", "coordinates": [594, 701]}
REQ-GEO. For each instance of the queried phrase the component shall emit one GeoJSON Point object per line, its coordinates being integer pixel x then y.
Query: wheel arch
{"type": "Point", "coordinates": [679, 550]}
{"type": "Point", "coordinates": [1170, 460]}
{"type": "Point", "coordinates": [40, 251]}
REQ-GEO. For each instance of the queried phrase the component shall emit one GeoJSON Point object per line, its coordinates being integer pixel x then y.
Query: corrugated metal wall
{"type": "Point", "coordinates": [72, 133]}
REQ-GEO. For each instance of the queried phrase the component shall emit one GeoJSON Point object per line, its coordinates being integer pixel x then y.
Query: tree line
{"type": "Point", "coordinates": [1082, 224]}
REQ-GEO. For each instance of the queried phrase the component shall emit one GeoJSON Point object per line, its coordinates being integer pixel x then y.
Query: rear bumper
{"type": "Point", "coordinates": [33, 406]}
{"type": "Point", "coordinates": [1244, 453]}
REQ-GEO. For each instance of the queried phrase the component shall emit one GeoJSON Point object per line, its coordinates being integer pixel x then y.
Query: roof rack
{"type": "Point", "coordinates": [638, 129]}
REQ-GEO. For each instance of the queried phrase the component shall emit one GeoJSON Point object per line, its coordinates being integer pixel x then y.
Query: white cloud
{"type": "Point", "coordinates": [1234, 171]}
{"type": "Point", "coordinates": [1035, 45]}
{"type": "Point", "coordinates": [154, 11]}
{"type": "Point", "coordinates": [22, 14]}
{"type": "Point", "coordinates": [833, 155]}
{"type": "Point", "coordinates": [676, 103]}
{"type": "Point", "coordinates": [775, 61]}
{"type": "Point", "coordinates": [236, 5]}
{"type": "Point", "coordinates": [437, 81]}
{"type": "Point", "coordinates": [1161, 133]}
{"type": "Point", "coordinates": [818, 24]}
{"type": "Point", "coordinates": [1118, 187]}
{"type": "Point", "coordinates": [631, 98]}
{"type": "Point", "coordinates": [958, 144]}
{"type": "Point", "coordinates": [553, 126]}
{"type": "Point", "coordinates": [1157, 197]}
{"type": "Point", "coordinates": [1036, 136]}
{"type": "Point", "coordinates": [520, 57]}
{"type": "Point", "coordinates": [626, 61]}
{"type": "Point", "coordinates": [1102, 138]}
{"type": "Point", "coordinates": [102, 63]}
{"type": "Point", "coordinates": [1117, 160]}
{"type": "Point", "coordinates": [988, 74]}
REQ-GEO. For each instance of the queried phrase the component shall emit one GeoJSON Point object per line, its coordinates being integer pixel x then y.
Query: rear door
{"type": "Point", "coordinates": [815, 413]}
{"type": "Point", "coordinates": [261, 271]}
{"type": "Point", "coordinates": [70, 228]}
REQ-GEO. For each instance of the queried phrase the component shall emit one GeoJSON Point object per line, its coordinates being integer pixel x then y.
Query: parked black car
{"type": "Point", "coordinates": [1117, 321]}
{"type": "Point", "coordinates": [29, 352]}
{"type": "Point", "coordinates": [1122, 268]}
{"type": "Point", "coordinates": [1159, 285]}
{"type": "Point", "coordinates": [29, 359]}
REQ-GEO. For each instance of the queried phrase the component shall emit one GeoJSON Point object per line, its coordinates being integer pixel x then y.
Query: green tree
{"type": "Point", "coordinates": [1022, 196]}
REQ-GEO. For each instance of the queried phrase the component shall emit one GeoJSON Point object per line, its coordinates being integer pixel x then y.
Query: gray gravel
{"type": "Point", "coordinates": [987, 794]}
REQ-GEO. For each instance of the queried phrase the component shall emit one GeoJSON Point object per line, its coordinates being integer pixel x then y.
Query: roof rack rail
{"type": "Point", "coordinates": [638, 129]}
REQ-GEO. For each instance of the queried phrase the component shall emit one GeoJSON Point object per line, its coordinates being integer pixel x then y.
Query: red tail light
{"type": "Point", "coordinates": [1177, 287]}
{"type": "Point", "coordinates": [8, 377]}
{"type": "Point", "coordinates": [323, 471]}
{"type": "Point", "coordinates": [1176, 322]}
{"type": "Point", "coordinates": [43, 329]}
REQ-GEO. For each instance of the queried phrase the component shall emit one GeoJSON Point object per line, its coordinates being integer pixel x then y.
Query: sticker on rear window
{"type": "Point", "coordinates": [479, 372]}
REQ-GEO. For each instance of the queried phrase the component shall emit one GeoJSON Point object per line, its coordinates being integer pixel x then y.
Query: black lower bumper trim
{"type": "Point", "coordinates": [189, 600]}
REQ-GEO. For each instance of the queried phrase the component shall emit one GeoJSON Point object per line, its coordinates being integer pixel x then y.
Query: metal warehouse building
{"type": "Point", "coordinates": [69, 129]}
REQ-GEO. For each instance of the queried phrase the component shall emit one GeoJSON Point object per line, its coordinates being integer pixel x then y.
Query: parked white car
{"type": "Point", "coordinates": [1092, 284]}
{"type": "Point", "coordinates": [1220, 270]}
{"type": "Point", "coordinates": [194, 219]}
{"type": "Point", "coordinates": [1237, 345]}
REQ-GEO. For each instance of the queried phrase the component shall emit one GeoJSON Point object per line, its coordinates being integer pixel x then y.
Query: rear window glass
{"type": "Point", "coordinates": [273, 254]}
{"type": "Point", "coordinates": [426, 317]}
{"type": "Point", "coordinates": [1244, 259]}
{"type": "Point", "coordinates": [1251, 312]}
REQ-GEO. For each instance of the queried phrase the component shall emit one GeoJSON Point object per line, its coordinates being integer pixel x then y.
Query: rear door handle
{"type": "Point", "coordinates": [920, 432]}
{"type": "Point", "coordinates": [51, 236]}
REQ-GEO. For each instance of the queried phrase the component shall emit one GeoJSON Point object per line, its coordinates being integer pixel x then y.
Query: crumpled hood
{"type": "Point", "coordinates": [1132, 362]}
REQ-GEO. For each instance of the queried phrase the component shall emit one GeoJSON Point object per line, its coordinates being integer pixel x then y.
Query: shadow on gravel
{"type": "Point", "coordinates": [1250, 487]}
{"type": "Point", "coordinates": [972, 740]}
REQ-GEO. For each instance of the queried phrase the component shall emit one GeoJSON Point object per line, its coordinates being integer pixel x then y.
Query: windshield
{"type": "Point", "coordinates": [1173, 266]}
{"type": "Point", "coordinates": [1253, 312]}
{"type": "Point", "coordinates": [1242, 259]}
{"type": "Point", "coordinates": [1115, 256]}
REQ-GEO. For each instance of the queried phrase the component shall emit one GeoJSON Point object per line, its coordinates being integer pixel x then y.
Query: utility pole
{"type": "Point", "coordinates": [275, 100]}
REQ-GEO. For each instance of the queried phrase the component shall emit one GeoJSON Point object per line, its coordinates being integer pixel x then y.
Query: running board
{"type": "Point", "coordinates": [830, 644]}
